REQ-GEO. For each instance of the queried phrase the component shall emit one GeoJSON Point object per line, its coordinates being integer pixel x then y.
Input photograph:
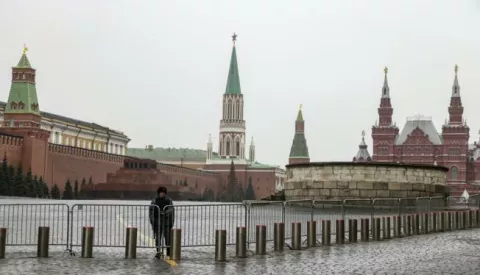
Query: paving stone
{"type": "Point", "coordinates": [441, 253]}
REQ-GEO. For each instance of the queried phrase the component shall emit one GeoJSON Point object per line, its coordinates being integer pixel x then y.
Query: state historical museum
{"type": "Point", "coordinates": [420, 142]}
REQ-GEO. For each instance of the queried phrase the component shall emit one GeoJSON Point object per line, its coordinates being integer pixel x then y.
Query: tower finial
{"type": "Point", "coordinates": [455, 68]}
{"type": "Point", "coordinates": [300, 107]}
{"type": "Point", "coordinates": [363, 133]}
{"type": "Point", "coordinates": [385, 70]}
{"type": "Point", "coordinates": [25, 48]}
{"type": "Point", "coordinates": [234, 38]}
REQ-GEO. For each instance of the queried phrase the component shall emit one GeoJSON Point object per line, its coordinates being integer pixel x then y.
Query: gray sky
{"type": "Point", "coordinates": [157, 69]}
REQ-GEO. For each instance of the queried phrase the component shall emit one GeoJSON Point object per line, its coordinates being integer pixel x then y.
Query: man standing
{"type": "Point", "coordinates": [161, 219]}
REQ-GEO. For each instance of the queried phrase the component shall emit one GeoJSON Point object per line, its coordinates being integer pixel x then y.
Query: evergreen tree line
{"type": "Point", "coordinates": [233, 191]}
{"type": "Point", "coordinates": [79, 191]}
{"type": "Point", "coordinates": [14, 182]}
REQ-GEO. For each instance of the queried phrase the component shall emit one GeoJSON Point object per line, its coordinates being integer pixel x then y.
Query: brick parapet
{"type": "Point", "coordinates": [11, 140]}
{"type": "Point", "coordinates": [84, 153]}
{"type": "Point", "coordinates": [184, 170]}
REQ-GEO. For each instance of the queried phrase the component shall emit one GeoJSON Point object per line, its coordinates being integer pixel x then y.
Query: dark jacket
{"type": "Point", "coordinates": [166, 217]}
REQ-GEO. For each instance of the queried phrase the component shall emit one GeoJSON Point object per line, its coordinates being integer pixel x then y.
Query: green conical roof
{"type": "Point", "coordinates": [299, 146]}
{"type": "Point", "coordinates": [23, 93]}
{"type": "Point", "coordinates": [300, 115]}
{"type": "Point", "coordinates": [24, 62]}
{"type": "Point", "coordinates": [233, 82]}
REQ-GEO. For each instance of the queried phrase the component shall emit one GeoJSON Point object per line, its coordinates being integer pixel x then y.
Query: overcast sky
{"type": "Point", "coordinates": [157, 69]}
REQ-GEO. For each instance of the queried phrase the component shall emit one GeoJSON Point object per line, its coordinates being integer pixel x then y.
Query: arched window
{"type": "Point", "coordinates": [454, 172]}
{"type": "Point", "coordinates": [237, 109]}
{"type": "Point", "coordinates": [230, 110]}
{"type": "Point", "coordinates": [238, 148]}
{"type": "Point", "coordinates": [227, 149]}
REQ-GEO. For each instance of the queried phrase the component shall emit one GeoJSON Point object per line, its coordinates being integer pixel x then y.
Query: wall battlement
{"type": "Point", "coordinates": [84, 153]}
{"type": "Point", "coordinates": [184, 170]}
{"type": "Point", "coordinates": [10, 140]}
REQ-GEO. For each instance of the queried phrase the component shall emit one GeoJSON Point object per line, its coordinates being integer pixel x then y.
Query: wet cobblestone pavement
{"type": "Point", "coordinates": [442, 253]}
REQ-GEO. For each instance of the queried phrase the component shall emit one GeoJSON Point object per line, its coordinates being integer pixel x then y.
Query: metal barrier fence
{"type": "Point", "coordinates": [199, 222]}
{"type": "Point", "coordinates": [24, 219]}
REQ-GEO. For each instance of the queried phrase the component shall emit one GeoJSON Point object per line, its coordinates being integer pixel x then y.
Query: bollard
{"type": "Point", "coordinates": [457, 220]}
{"type": "Point", "coordinates": [416, 224]}
{"type": "Point", "coordinates": [312, 233]}
{"type": "Point", "coordinates": [397, 226]}
{"type": "Point", "coordinates": [443, 221]}
{"type": "Point", "coordinates": [434, 222]}
{"type": "Point", "coordinates": [176, 244]}
{"type": "Point", "coordinates": [352, 231]}
{"type": "Point", "coordinates": [425, 223]}
{"type": "Point", "coordinates": [278, 236]}
{"type": "Point", "coordinates": [477, 218]}
{"type": "Point", "coordinates": [220, 245]}
{"type": "Point", "coordinates": [3, 242]}
{"type": "Point", "coordinates": [241, 242]}
{"type": "Point", "coordinates": [376, 229]}
{"type": "Point", "coordinates": [87, 242]}
{"type": "Point", "coordinates": [449, 223]}
{"type": "Point", "coordinates": [365, 231]}
{"type": "Point", "coordinates": [340, 232]}
{"type": "Point", "coordinates": [326, 231]}
{"type": "Point", "coordinates": [131, 243]}
{"type": "Point", "coordinates": [43, 241]}
{"type": "Point", "coordinates": [386, 227]}
{"type": "Point", "coordinates": [261, 240]}
{"type": "Point", "coordinates": [296, 236]}
{"type": "Point", "coordinates": [470, 219]}
{"type": "Point", "coordinates": [474, 219]}
{"type": "Point", "coordinates": [408, 226]}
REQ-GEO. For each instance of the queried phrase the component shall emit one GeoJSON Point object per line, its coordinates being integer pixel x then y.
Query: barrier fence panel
{"type": "Point", "coordinates": [422, 205]}
{"type": "Point", "coordinates": [199, 222]}
{"type": "Point", "coordinates": [328, 210]}
{"type": "Point", "coordinates": [408, 206]}
{"type": "Point", "coordinates": [110, 224]}
{"type": "Point", "coordinates": [386, 207]}
{"type": "Point", "coordinates": [22, 222]}
{"type": "Point", "coordinates": [457, 203]}
{"type": "Point", "coordinates": [358, 209]}
{"type": "Point", "coordinates": [474, 202]}
{"type": "Point", "coordinates": [297, 211]}
{"type": "Point", "coordinates": [263, 213]}
{"type": "Point", "coordinates": [438, 204]}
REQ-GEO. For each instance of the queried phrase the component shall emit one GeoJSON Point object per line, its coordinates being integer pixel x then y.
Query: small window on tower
{"type": "Point", "coordinates": [455, 89]}
{"type": "Point", "coordinates": [454, 171]}
{"type": "Point", "coordinates": [384, 91]}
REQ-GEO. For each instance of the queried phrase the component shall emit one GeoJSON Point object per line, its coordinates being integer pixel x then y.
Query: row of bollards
{"type": "Point", "coordinates": [380, 228]}
{"type": "Point", "coordinates": [88, 242]}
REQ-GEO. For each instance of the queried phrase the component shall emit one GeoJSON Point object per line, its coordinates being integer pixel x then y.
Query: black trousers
{"type": "Point", "coordinates": [164, 232]}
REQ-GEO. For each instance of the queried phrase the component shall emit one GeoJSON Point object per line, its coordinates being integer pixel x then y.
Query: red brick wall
{"type": "Point", "coordinates": [263, 181]}
{"type": "Point", "coordinates": [12, 146]}
{"type": "Point", "coordinates": [66, 162]}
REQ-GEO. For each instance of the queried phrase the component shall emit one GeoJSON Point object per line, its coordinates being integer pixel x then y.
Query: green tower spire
{"type": "Point", "coordinates": [22, 98]}
{"type": "Point", "coordinates": [299, 149]}
{"type": "Point", "coordinates": [233, 82]}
